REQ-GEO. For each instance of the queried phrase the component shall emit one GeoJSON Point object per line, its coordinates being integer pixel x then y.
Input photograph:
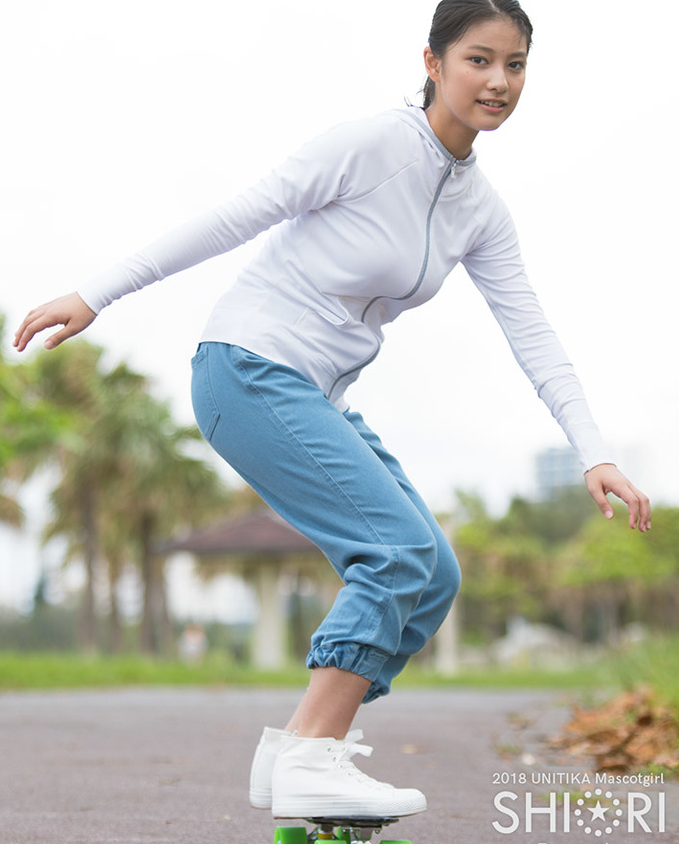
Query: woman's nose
{"type": "Point", "coordinates": [497, 79]}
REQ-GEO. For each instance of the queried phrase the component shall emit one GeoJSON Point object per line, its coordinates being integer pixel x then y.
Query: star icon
{"type": "Point", "coordinates": [599, 811]}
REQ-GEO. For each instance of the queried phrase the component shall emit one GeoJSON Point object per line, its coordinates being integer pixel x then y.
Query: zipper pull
{"type": "Point", "coordinates": [453, 168]}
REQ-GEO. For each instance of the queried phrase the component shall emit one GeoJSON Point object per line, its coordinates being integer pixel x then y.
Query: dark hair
{"type": "Point", "coordinates": [453, 18]}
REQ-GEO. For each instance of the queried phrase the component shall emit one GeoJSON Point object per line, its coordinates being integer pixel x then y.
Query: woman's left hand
{"type": "Point", "coordinates": [606, 478]}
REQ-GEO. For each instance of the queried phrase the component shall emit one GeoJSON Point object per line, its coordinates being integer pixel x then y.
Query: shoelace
{"type": "Point", "coordinates": [344, 750]}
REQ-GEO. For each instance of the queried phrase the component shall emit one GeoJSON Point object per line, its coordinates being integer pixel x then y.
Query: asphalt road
{"type": "Point", "coordinates": [171, 767]}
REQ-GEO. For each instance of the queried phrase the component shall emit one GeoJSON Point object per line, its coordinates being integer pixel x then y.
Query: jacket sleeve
{"type": "Point", "coordinates": [497, 269]}
{"type": "Point", "coordinates": [309, 179]}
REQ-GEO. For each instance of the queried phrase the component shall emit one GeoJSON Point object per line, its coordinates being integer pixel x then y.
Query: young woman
{"type": "Point", "coordinates": [370, 219]}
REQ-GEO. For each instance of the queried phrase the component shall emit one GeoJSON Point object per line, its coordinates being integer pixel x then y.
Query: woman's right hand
{"type": "Point", "coordinates": [69, 311]}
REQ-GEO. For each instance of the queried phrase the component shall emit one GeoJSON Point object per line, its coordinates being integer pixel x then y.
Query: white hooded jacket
{"type": "Point", "coordinates": [370, 218]}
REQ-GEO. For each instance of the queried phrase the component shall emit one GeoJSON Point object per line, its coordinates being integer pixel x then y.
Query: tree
{"type": "Point", "coordinates": [157, 488]}
{"type": "Point", "coordinates": [69, 380]}
{"type": "Point", "coordinates": [662, 600]}
{"type": "Point", "coordinates": [615, 569]}
{"type": "Point", "coordinates": [125, 477]}
{"type": "Point", "coordinates": [503, 566]}
{"type": "Point", "coordinates": [555, 519]}
{"type": "Point", "coordinates": [28, 427]}
{"type": "Point", "coordinates": [559, 561]}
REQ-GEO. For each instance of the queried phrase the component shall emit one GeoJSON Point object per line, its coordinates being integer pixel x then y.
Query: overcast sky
{"type": "Point", "coordinates": [124, 119]}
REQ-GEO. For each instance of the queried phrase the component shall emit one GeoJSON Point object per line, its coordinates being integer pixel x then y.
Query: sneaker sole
{"type": "Point", "coordinates": [349, 808]}
{"type": "Point", "coordinates": [260, 799]}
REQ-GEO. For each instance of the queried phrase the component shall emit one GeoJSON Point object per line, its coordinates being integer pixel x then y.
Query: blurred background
{"type": "Point", "coordinates": [122, 536]}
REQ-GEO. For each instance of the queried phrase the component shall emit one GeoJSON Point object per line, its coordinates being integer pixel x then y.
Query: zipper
{"type": "Point", "coordinates": [450, 171]}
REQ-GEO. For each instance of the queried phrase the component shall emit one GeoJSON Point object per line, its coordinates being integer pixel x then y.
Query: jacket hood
{"type": "Point", "coordinates": [415, 116]}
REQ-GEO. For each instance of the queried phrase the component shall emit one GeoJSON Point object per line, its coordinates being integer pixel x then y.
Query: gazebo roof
{"type": "Point", "coordinates": [261, 532]}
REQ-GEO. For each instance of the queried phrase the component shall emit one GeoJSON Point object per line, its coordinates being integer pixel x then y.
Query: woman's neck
{"type": "Point", "coordinates": [458, 140]}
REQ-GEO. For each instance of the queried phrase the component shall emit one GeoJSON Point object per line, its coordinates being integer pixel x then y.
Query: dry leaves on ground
{"type": "Point", "coordinates": [631, 732]}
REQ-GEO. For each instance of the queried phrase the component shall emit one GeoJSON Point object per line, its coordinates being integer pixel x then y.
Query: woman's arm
{"type": "Point", "coordinates": [319, 172]}
{"type": "Point", "coordinates": [496, 268]}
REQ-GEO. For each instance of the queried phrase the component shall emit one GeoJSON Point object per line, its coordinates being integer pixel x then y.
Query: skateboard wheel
{"type": "Point", "coordinates": [290, 835]}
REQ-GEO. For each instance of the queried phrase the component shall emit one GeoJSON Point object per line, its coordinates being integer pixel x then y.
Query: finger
{"type": "Point", "coordinates": [601, 481]}
{"type": "Point", "coordinates": [32, 326]}
{"type": "Point", "coordinates": [599, 495]}
{"type": "Point", "coordinates": [632, 502]}
{"type": "Point", "coordinates": [71, 328]}
{"type": "Point", "coordinates": [21, 330]}
{"type": "Point", "coordinates": [639, 507]}
{"type": "Point", "coordinates": [53, 341]}
{"type": "Point", "coordinates": [645, 522]}
{"type": "Point", "coordinates": [644, 510]}
{"type": "Point", "coordinates": [39, 324]}
{"type": "Point", "coordinates": [31, 316]}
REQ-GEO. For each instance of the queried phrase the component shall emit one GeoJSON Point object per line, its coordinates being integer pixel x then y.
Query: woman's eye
{"type": "Point", "coordinates": [517, 65]}
{"type": "Point", "coordinates": [477, 59]}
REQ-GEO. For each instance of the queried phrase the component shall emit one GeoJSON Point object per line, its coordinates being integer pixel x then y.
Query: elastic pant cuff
{"type": "Point", "coordinates": [377, 689]}
{"type": "Point", "coordinates": [359, 659]}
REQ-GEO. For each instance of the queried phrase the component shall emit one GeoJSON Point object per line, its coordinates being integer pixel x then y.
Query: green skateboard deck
{"type": "Point", "coordinates": [348, 830]}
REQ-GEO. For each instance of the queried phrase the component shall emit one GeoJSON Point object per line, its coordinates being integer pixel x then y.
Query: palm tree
{"type": "Point", "coordinates": [70, 380]}
{"type": "Point", "coordinates": [158, 488]}
{"type": "Point", "coordinates": [27, 428]}
{"type": "Point", "coordinates": [126, 476]}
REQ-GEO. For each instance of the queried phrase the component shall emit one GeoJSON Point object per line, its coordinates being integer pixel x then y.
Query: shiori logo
{"type": "Point", "coordinates": [596, 814]}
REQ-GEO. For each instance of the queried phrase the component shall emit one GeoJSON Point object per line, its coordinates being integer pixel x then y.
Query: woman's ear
{"type": "Point", "coordinates": [432, 64]}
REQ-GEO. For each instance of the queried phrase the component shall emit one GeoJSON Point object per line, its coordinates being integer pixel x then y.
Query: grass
{"type": "Point", "coordinates": [655, 663]}
{"type": "Point", "coordinates": [22, 671]}
{"type": "Point", "coordinates": [580, 678]}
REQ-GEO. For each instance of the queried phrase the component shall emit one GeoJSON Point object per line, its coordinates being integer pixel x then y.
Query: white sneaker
{"type": "Point", "coordinates": [316, 778]}
{"type": "Point", "coordinates": [262, 767]}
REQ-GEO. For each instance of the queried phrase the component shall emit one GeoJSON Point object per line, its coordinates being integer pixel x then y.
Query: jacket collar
{"type": "Point", "coordinates": [416, 116]}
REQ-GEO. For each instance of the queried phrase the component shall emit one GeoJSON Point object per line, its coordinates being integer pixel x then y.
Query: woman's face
{"type": "Point", "coordinates": [478, 81]}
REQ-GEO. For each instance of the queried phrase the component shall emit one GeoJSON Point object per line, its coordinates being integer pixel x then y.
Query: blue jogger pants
{"type": "Point", "coordinates": [330, 477]}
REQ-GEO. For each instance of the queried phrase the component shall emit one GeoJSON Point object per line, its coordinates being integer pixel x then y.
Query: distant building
{"type": "Point", "coordinates": [556, 468]}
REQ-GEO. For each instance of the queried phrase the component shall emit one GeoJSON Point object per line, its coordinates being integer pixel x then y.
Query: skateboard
{"type": "Point", "coordinates": [348, 830]}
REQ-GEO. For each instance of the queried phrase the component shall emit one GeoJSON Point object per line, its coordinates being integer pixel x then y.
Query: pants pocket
{"type": "Point", "coordinates": [205, 406]}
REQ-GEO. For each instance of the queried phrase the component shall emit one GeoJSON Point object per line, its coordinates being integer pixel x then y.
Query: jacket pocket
{"type": "Point", "coordinates": [336, 315]}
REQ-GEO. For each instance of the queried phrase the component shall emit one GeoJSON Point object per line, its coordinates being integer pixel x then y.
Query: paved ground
{"type": "Point", "coordinates": [171, 767]}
